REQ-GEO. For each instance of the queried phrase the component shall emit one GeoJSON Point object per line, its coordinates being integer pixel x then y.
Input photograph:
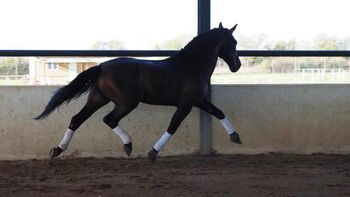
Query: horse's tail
{"type": "Point", "coordinates": [73, 90]}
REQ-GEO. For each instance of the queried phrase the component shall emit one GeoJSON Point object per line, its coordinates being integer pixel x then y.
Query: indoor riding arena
{"type": "Point", "coordinates": [295, 143]}
{"type": "Point", "coordinates": [281, 80]}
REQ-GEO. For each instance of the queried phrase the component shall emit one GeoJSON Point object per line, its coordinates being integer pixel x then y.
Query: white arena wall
{"type": "Point", "coordinates": [305, 119]}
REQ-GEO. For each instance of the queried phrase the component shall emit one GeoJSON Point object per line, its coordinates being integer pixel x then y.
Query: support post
{"type": "Point", "coordinates": [205, 139]}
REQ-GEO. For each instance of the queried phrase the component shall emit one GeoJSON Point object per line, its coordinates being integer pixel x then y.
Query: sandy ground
{"type": "Point", "coordinates": [226, 175]}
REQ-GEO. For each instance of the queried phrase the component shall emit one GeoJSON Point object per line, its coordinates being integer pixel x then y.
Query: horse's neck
{"type": "Point", "coordinates": [212, 66]}
{"type": "Point", "coordinates": [205, 61]}
{"type": "Point", "coordinates": [201, 53]}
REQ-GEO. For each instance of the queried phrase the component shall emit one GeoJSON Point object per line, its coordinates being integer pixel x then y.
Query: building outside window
{"type": "Point", "coordinates": [52, 66]}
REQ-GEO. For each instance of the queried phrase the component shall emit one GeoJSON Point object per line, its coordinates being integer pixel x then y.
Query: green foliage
{"type": "Point", "coordinates": [175, 43]}
{"type": "Point", "coordinates": [327, 42]}
{"type": "Point", "coordinates": [254, 41]}
{"type": "Point", "coordinates": [284, 45]}
{"type": "Point", "coordinates": [282, 65]}
{"type": "Point", "coordinates": [266, 65]}
{"type": "Point", "coordinates": [108, 45]}
{"type": "Point", "coordinates": [311, 63]}
{"type": "Point", "coordinates": [13, 66]}
{"type": "Point", "coordinates": [326, 63]}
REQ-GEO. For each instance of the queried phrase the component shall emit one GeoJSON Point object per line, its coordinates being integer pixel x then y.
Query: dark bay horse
{"type": "Point", "coordinates": [180, 80]}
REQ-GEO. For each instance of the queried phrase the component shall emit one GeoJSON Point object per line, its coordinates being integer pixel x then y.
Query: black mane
{"type": "Point", "coordinates": [204, 40]}
{"type": "Point", "coordinates": [201, 44]}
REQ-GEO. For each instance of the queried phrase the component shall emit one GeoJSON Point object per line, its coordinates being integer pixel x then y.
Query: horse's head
{"type": "Point", "coordinates": [228, 49]}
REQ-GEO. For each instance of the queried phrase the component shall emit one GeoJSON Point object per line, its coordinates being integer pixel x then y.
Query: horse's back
{"type": "Point", "coordinates": [131, 80]}
{"type": "Point", "coordinates": [119, 78]}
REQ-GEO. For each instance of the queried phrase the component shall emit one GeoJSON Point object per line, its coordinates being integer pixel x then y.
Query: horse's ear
{"type": "Point", "coordinates": [233, 28]}
{"type": "Point", "coordinates": [220, 26]}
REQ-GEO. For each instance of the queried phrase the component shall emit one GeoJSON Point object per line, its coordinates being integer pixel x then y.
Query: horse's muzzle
{"type": "Point", "coordinates": [236, 64]}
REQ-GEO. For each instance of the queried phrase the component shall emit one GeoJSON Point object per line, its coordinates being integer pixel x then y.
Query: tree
{"type": "Point", "coordinates": [176, 43]}
{"type": "Point", "coordinates": [14, 66]}
{"type": "Point", "coordinates": [253, 41]}
{"type": "Point", "coordinates": [284, 45]}
{"type": "Point", "coordinates": [327, 42]}
{"type": "Point", "coordinates": [108, 45]}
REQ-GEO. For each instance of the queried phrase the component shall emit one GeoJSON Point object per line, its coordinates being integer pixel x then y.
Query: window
{"type": "Point", "coordinates": [52, 66]}
{"type": "Point", "coordinates": [157, 24]}
{"type": "Point", "coordinates": [97, 24]}
{"type": "Point", "coordinates": [286, 25]}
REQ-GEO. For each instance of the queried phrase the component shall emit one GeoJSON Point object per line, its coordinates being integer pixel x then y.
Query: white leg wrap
{"type": "Point", "coordinates": [162, 141]}
{"type": "Point", "coordinates": [228, 126]}
{"type": "Point", "coordinates": [125, 137]}
{"type": "Point", "coordinates": [66, 139]}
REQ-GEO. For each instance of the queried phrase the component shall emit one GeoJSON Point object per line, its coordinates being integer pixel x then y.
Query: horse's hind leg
{"type": "Point", "coordinates": [112, 120]}
{"type": "Point", "coordinates": [95, 101]}
{"type": "Point", "coordinates": [181, 112]}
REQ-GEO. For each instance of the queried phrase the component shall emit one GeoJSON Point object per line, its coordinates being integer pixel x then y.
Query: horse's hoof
{"type": "Point", "coordinates": [128, 148]}
{"type": "Point", "coordinates": [152, 155]}
{"type": "Point", "coordinates": [55, 151]}
{"type": "Point", "coordinates": [234, 137]}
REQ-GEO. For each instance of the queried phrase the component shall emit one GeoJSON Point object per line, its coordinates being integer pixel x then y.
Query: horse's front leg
{"type": "Point", "coordinates": [181, 112]}
{"type": "Point", "coordinates": [207, 106]}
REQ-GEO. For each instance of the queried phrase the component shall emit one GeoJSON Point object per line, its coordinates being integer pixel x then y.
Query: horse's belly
{"type": "Point", "coordinates": [165, 103]}
{"type": "Point", "coordinates": [159, 96]}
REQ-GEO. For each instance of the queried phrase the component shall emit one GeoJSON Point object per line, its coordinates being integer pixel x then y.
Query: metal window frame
{"type": "Point", "coordinates": [205, 121]}
{"type": "Point", "coordinates": [203, 25]}
{"type": "Point", "coordinates": [166, 53]}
